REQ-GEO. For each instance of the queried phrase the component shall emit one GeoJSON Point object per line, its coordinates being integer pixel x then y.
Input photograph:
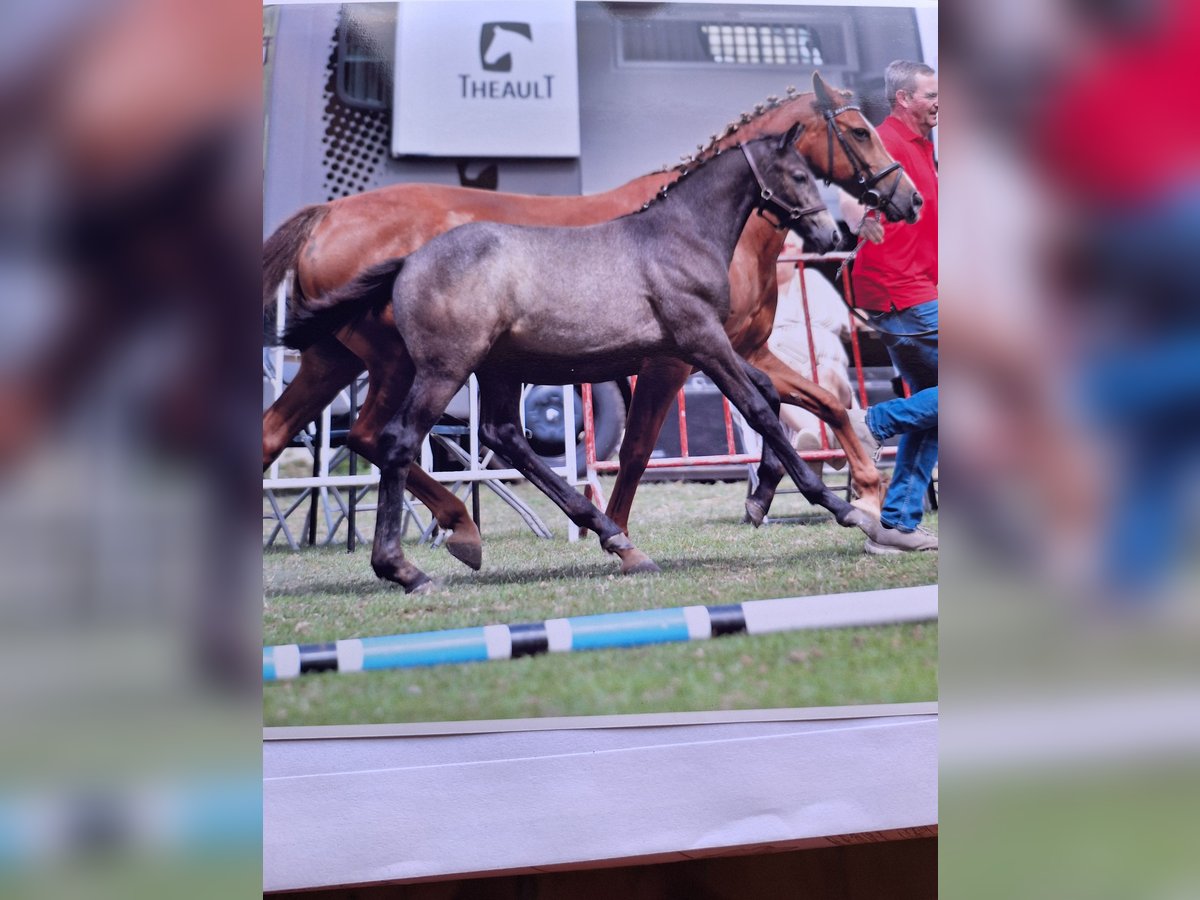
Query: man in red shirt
{"type": "Point", "coordinates": [896, 282]}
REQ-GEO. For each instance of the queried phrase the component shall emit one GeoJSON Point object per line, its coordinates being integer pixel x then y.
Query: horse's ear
{"type": "Point", "coordinates": [825, 94]}
{"type": "Point", "coordinates": [793, 135]}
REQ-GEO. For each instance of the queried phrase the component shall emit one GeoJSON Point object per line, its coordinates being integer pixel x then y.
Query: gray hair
{"type": "Point", "coordinates": [901, 75]}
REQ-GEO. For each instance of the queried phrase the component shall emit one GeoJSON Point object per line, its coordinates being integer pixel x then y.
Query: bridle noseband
{"type": "Point", "coordinates": [785, 216]}
{"type": "Point", "coordinates": [870, 197]}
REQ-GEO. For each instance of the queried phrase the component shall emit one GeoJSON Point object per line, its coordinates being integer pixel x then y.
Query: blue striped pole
{"type": "Point", "coordinates": [596, 632]}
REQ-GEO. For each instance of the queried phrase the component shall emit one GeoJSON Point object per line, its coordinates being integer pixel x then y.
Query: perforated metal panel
{"type": "Point", "coordinates": [355, 140]}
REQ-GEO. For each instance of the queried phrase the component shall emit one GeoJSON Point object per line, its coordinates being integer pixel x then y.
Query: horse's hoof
{"type": "Point", "coordinates": [618, 543]}
{"type": "Point", "coordinates": [466, 550]}
{"type": "Point", "coordinates": [423, 585]}
{"type": "Point", "coordinates": [863, 522]}
{"type": "Point", "coordinates": [854, 518]}
{"type": "Point", "coordinates": [635, 562]}
{"type": "Point", "coordinates": [755, 514]}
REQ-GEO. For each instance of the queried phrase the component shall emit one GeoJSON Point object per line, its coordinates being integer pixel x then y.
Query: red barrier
{"type": "Point", "coordinates": [685, 459]}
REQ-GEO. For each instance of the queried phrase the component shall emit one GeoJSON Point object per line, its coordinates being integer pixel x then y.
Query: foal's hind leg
{"type": "Point", "coordinates": [383, 401]}
{"type": "Point", "coordinates": [724, 367]}
{"type": "Point", "coordinates": [325, 368]}
{"type": "Point", "coordinates": [399, 443]}
{"type": "Point", "coordinates": [501, 431]}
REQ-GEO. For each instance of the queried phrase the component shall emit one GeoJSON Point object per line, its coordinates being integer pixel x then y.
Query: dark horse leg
{"type": "Point", "coordinates": [799, 391]}
{"type": "Point", "coordinates": [770, 467]}
{"type": "Point", "coordinates": [384, 398]}
{"type": "Point", "coordinates": [500, 429]}
{"type": "Point", "coordinates": [325, 368]}
{"type": "Point", "coordinates": [727, 371]}
{"type": "Point", "coordinates": [659, 380]}
{"type": "Point", "coordinates": [425, 399]}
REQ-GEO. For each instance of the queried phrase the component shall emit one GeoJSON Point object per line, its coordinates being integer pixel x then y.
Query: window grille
{"type": "Point", "coordinates": [778, 45]}
{"type": "Point", "coordinates": [817, 42]}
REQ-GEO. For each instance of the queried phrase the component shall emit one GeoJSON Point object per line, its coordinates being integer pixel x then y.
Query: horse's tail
{"type": "Point", "coordinates": [280, 252]}
{"type": "Point", "coordinates": [369, 292]}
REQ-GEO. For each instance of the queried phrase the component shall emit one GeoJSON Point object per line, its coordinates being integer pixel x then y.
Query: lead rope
{"type": "Point", "coordinates": [837, 278]}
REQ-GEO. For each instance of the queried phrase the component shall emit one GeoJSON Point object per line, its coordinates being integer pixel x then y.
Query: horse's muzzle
{"type": "Point", "coordinates": [820, 242]}
{"type": "Point", "coordinates": [914, 211]}
{"type": "Point", "coordinates": [828, 241]}
{"type": "Point", "coordinates": [894, 213]}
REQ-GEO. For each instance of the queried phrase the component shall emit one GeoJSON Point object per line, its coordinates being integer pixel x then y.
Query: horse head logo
{"type": "Point", "coordinates": [496, 40]}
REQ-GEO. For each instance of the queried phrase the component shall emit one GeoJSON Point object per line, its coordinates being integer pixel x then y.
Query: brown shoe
{"type": "Point", "coordinates": [893, 540]}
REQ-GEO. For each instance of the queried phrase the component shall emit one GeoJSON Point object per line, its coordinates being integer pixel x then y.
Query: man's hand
{"type": "Point", "coordinates": [869, 225]}
{"type": "Point", "coordinates": [872, 230]}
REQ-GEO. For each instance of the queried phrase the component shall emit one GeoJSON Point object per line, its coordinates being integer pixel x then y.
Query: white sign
{"type": "Point", "coordinates": [487, 79]}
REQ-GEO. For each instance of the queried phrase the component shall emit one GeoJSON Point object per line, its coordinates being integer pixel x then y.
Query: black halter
{"type": "Point", "coordinates": [785, 216]}
{"type": "Point", "coordinates": [870, 197]}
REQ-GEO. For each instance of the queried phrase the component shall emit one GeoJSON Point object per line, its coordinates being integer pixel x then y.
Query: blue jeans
{"type": "Point", "coordinates": [915, 417]}
{"type": "Point", "coordinates": [1141, 384]}
{"type": "Point", "coordinates": [904, 414]}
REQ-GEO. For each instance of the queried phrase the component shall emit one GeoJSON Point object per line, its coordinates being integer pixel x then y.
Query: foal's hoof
{"type": "Point", "coordinates": [465, 550]}
{"type": "Point", "coordinates": [635, 562]}
{"type": "Point", "coordinates": [755, 513]}
{"type": "Point", "coordinates": [856, 518]}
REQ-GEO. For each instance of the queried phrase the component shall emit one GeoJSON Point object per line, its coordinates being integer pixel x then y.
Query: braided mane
{"type": "Point", "coordinates": [690, 162]}
{"type": "Point", "coordinates": [705, 153]}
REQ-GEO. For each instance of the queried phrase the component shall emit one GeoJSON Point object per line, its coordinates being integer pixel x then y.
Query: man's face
{"type": "Point", "coordinates": [923, 102]}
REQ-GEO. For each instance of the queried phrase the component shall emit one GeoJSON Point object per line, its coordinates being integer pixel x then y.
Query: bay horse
{"type": "Point", "coordinates": [481, 298]}
{"type": "Point", "coordinates": [329, 244]}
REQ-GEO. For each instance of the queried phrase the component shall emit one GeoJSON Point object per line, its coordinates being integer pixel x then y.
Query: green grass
{"type": "Point", "coordinates": [694, 533]}
{"type": "Point", "coordinates": [1085, 829]}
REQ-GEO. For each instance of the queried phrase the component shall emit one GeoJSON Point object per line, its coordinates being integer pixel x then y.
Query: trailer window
{"type": "Point", "coordinates": [766, 44]}
{"type": "Point", "coordinates": [364, 67]}
{"type": "Point", "coordinates": [817, 42]}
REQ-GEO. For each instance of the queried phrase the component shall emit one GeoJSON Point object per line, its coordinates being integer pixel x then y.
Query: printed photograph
{"type": "Point", "coordinates": [600, 359]}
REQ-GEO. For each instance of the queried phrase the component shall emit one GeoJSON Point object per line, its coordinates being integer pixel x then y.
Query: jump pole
{"type": "Point", "coordinates": [598, 632]}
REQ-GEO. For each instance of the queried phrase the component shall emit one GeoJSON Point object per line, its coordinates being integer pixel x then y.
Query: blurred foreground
{"type": "Point", "coordinates": [130, 184]}
{"type": "Point", "coordinates": [1070, 609]}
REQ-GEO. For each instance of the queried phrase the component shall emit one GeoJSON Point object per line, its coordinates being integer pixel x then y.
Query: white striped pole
{"type": "Point", "coordinates": [596, 632]}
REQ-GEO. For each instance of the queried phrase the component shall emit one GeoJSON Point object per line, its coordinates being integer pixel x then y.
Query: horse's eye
{"type": "Point", "coordinates": [861, 133]}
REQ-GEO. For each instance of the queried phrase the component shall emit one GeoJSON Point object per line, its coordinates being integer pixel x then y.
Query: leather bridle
{"type": "Point", "coordinates": [870, 196]}
{"type": "Point", "coordinates": [785, 216]}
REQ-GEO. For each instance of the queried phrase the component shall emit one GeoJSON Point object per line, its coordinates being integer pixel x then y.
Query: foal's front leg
{"type": "Point", "coordinates": [500, 429]}
{"type": "Point", "coordinates": [797, 390]}
{"type": "Point", "coordinates": [388, 382]}
{"type": "Point", "coordinates": [770, 467]}
{"type": "Point", "coordinates": [725, 368]}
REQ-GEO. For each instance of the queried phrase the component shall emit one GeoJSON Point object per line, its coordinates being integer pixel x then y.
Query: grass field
{"type": "Point", "coordinates": [694, 533]}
